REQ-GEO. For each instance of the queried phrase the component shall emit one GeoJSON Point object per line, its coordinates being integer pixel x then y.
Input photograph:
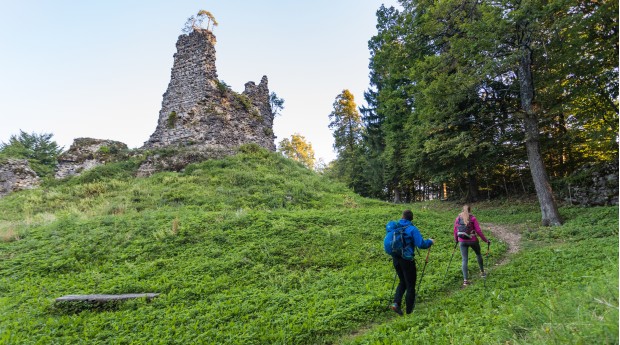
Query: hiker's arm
{"type": "Point", "coordinates": [419, 241]}
{"type": "Point", "coordinates": [456, 238]}
{"type": "Point", "coordinates": [478, 230]}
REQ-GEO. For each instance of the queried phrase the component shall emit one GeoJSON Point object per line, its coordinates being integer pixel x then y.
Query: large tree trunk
{"type": "Point", "coordinates": [472, 184]}
{"type": "Point", "coordinates": [548, 207]}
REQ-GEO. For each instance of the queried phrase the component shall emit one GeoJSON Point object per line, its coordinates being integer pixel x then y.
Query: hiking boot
{"type": "Point", "coordinates": [396, 309]}
{"type": "Point", "coordinates": [483, 274]}
{"type": "Point", "coordinates": [466, 283]}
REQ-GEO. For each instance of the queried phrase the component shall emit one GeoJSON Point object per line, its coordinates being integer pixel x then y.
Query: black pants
{"type": "Point", "coordinates": [407, 275]}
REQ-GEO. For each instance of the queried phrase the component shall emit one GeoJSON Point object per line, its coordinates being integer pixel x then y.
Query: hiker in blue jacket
{"type": "Point", "coordinates": [405, 265]}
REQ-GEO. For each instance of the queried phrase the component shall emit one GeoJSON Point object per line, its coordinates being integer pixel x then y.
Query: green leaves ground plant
{"type": "Point", "coordinates": [263, 258]}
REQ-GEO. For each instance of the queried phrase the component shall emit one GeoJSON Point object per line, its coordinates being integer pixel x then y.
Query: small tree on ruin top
{"type": "Point", "coordinates": [197, 21]}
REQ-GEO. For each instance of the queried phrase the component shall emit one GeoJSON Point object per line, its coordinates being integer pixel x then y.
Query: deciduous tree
{"type": "Point", "coordinates": [299, 149]}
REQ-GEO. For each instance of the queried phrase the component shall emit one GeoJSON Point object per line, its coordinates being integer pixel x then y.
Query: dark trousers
{"type": "Point", "coordinates": [407, 275]}
{"type": "Point", "coordinates": [464, 254]}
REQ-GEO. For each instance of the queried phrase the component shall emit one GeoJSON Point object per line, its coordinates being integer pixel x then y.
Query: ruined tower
{"type": "Point", "coordinates": [198, 110]}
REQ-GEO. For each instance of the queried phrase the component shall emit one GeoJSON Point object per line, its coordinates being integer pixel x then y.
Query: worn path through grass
{"type": "Point", "coordinates": [504, 234]}
{"type": "Point", "coordinates": [512, 238]}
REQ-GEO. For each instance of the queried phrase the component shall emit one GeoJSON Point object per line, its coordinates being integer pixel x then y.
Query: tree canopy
{"type": "Point", "coordinates": [197, 21]}
{"type": "Point", "coordinates": [276, 103]}
{"type": "Point", "coordinates": [488, 98]}
{"type": "Point", "coordinates": [39, 149]}
{"type": "Point", "coordinates": [299, 149]}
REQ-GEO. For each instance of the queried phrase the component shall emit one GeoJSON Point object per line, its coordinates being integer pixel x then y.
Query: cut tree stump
{"type": "Point", "coordinates": [105, 298]}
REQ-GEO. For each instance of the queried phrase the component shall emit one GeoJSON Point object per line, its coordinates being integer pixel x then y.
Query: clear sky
{"type": "Point", "coordinates": [98, 69]}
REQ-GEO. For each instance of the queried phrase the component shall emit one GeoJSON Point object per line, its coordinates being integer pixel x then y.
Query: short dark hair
{"type": "Point", "coordinates": [408, 215]}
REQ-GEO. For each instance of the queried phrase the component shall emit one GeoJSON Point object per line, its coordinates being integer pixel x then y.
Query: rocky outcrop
{"type": "Point", "coordinates": [198, 110]}
{"type": "Point", "coordinates": [597, 185]}
{"type": "Point", "coordinates": [87, 153]}
{"type": "Point", "coordinates": [16, 174]}
{"type": "Point", "coordinates": [177, 159]}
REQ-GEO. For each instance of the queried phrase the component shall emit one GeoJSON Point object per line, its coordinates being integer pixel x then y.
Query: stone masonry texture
{"type": "Point", "coordinates": [202, 112]}
{"type": "Point", "coordinates": [16, 174]}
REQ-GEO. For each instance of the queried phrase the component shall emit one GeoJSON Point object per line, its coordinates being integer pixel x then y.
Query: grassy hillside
{"type": "Point", "coordinates": [255, 249]}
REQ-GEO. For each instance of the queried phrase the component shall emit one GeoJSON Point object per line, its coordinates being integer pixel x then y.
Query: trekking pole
{"type": "Point", "coordinates": [451, 257]}
{"type": "Point", "coordinates": [488, 264]}
{"type": "Point", "coordinates": [393, 292]}
{"type": "Point", "coordinates": [423, 269]}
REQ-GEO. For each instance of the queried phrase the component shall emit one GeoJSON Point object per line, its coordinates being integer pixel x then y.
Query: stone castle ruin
{"type": "Point", "coordinates": [200, 117]}
{"type": "Point", "coordinates": [200, 111]}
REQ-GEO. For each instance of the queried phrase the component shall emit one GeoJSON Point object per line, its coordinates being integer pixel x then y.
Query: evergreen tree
{"type": "Point", "coordinates": [276, 103]}
{"type": "Point", "coordinates": [478, 93]}
{"type": "Point", "coordinates": [39, 149]}
{"type": "Point", "coordinates": [346, 124]}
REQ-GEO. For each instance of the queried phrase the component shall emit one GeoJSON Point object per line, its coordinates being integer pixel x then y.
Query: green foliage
{"type": "Point", "coordinates": [268, 132]}
{"type": "Point", "coordinates": [297, 149]}
{"type": "Point", "coordinates": [575, 303]}
{"type": "Point", "coordinates": [244, 101]}
{"type": "Point", "coordinates": [172, 119]}
{"type": "Point", "coordinates": [351, 165]}
{"type": "Point", "coordinates": [39, 149]}
{"type": "Point", "coordinates": [447, 80]}
{"type": "Point", "coordinates": [255, 249]}
{"type": "Point", "coordinates": [222, 86]}
{"type": "Point", "coordinates": [276, 103]}
{"type": "Point", "coordinates": [345, 122]}
{"type": "Point", "coordinates": [104, 150]}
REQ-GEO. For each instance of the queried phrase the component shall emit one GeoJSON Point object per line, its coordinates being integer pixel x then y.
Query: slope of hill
{"type": "Point", "coordinates": [256, 249]}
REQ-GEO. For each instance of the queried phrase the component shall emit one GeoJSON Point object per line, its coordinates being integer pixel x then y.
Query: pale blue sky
{"type": "Point", "coordinates": [78, 68]}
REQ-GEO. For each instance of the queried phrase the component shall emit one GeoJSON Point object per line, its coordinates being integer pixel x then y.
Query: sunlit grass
{"type": "Point", "coordinates": [256, 249]}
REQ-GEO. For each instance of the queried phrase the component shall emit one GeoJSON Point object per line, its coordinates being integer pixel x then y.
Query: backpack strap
{"type": "Point", "coordinates": [464, 234]}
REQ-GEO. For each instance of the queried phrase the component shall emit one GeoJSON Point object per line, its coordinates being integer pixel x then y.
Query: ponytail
{"type": "Point", "coordinates": [465, 214]}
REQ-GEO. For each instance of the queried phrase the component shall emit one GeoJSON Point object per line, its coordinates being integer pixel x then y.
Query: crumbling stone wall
{"type": "Point", "coordinates": [16, 174]}
{"type": "Point", "coordinates": [87, 153]}
{"type": "Point", "coordinates": [599, 187]}
{"type": "Point", "coordinates": [200, 111]}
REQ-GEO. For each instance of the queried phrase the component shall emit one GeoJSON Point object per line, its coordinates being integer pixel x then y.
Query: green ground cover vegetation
{"type": "Point", "coordinates": [257, 249]}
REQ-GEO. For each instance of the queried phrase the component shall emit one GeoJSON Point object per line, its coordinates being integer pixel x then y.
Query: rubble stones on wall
{"type": "Point", "coordinates": [15, 175]}
{"type": "Point", "coordinates": [87, 153]}
{"type": "Point", "coordinates": [599, 188]}
{"type": "Point", "coordinates": [178, 158]}
{"type": "Point", "coordinates": [199, 110]}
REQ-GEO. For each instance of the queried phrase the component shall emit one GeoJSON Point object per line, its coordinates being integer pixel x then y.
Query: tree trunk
{"type": "Point", "coordinates": [548, 207]}
{"type": "Point", "coordinates": [396, 195]}
{"type": "Point", "coordinates": [472, 183]}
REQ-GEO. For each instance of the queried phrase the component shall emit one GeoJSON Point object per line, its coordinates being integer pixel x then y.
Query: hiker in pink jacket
{"type": "Point", "coordinates": [466, 232]}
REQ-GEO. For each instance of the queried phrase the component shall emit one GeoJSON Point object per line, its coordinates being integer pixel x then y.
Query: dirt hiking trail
{"type": "Point", "coordinates": [511, 238]}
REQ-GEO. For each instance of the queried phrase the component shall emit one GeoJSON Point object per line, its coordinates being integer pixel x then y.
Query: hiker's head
{"type": "Point", "coordinates": [466, 209]}
{"type": "Point", "coordinates": [408, 215]}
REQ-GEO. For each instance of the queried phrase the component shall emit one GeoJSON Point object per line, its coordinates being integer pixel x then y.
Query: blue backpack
{"type": "Point", "coordinates": [394, 241]}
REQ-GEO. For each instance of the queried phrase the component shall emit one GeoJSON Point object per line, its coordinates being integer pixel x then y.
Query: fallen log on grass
{"type": "Point", "coordinates": [105, 298]}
